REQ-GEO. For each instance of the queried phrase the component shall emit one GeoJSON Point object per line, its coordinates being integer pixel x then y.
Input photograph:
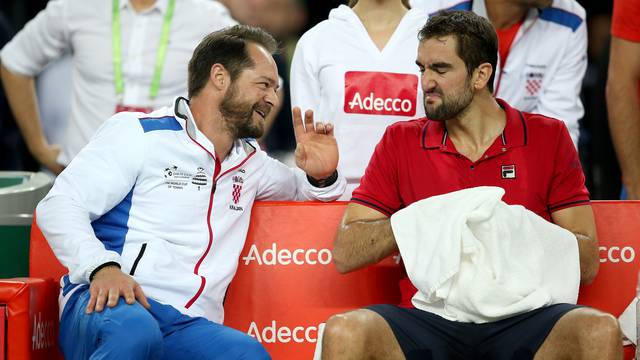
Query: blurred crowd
{"type": "Point", "coordinates": [287, 20]}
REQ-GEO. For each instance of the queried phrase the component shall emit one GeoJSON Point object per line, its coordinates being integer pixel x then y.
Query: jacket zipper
{"type": "Point", "coordinates": [203, 280]}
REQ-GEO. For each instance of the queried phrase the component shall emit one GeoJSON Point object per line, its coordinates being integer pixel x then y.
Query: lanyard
{"type": "Point", "coordinates": [160, 55]}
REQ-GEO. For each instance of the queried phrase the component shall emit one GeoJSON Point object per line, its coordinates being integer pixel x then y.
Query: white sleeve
{"type": "Point", "coordinates": [560, 99]}
{"type": "Point", "coordinates": [282, 183]}
{"type": "Point", "coordinates": [97, 180]}
{"type": "Point", "coordinates": [42, 39]}
{"type": "Point", "coordinates": [305, 82]}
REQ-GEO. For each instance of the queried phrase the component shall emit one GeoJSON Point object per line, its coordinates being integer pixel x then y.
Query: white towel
{"type": "Point", "coordinates": [628, 323]}
{"type": "Point", "coordinates": [476, 259]}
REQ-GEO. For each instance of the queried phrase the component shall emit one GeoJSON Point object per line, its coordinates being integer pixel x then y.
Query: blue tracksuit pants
{"type": "Point", "coordinates": [162, 332]}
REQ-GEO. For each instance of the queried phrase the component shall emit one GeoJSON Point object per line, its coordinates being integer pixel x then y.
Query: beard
{"type": "Point", "coordinates": [239, 115]}
{"type": "Point", "coordinates": [451, 106]}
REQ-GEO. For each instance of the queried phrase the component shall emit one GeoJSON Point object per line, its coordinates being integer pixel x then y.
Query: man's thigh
{"type": "Point", "coordinates": [124, 330]}
{"type": "Point", "coordinates": [198, 338]}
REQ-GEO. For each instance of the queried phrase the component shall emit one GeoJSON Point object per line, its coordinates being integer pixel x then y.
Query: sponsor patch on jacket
{"type": "Point", "coordinates": [176, 178]}
{"type": "Point", "coordinates": [380, 93]}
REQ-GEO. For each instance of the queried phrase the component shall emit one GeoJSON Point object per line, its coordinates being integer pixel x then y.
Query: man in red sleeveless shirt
{"type": "Point", "coordinates": [468, 139]}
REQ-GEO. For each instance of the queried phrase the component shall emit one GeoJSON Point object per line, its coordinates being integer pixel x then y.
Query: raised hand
{"type": "Point", "coordinates": [316, 149]}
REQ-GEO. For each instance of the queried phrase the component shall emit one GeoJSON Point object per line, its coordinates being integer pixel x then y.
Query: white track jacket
{"type": "Point", "coordinates": [147, 192]}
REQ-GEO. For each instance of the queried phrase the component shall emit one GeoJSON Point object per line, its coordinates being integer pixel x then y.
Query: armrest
{"type": "Point", "coordinates": [31, 306]}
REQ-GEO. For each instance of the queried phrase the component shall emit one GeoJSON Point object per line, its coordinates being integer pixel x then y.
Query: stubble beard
{"type": "Point", "coordinates": [451, 106]}
{"type": "Point", "coordinates": [239, 115]}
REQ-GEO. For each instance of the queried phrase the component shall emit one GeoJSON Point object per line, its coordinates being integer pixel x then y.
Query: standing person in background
{"type": "Point", "coordinates": [623, 93]}
{"type": "Point", "coordinates": [542, 53]}
{"type": "Point", "coordinates": [127, 55]}
{"type": "Point", "coordinates": [358, 69]}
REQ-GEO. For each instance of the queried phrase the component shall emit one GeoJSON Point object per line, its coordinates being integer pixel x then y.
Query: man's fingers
{"type": "Point", "coordinates": [298, 128]}
{"type": "Point", "coordinates": [92, 301]}
{"type": "Point", "coordinates": [129, 296]}
{"type": "Point", "coordinates": [114, 295]}
{"type": "Point", "coordinates": [139, 294]}
{"type": "Point", "coordinates": [308, 120]}
{"type": "Point", "coordinates": [328, 127]}
{"type": "Point", "coordinates": [320, 128]}
{"type": "Point", "coordinates": [101, 298]}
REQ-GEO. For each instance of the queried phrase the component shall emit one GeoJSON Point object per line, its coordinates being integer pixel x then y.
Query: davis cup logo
{"type": "Point", "coordinates": [380, 93]}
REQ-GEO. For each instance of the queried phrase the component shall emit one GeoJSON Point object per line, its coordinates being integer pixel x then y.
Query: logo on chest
{"type": "Point", "coordinates": [380, 93]}
{"type": "Point", "coordinates": [533, 83]}
{"type": "Point", "coordinates": [508, 171]}
{"type": "Point", "coordinates": [236, 192]}
{"type": "Point", "coordinates": [179, 179]}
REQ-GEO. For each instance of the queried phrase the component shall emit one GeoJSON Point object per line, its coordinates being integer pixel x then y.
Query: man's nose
{"type": "Point", "coordinates": [271, 97]}
{"type": "Point", "coordinates": [428, 83]}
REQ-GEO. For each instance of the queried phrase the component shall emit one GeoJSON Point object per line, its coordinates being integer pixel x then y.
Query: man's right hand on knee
{"type": "Point", "coordinates": [108, 284]}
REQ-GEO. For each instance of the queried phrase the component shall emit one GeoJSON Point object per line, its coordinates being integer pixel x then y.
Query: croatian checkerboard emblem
{"type": "Point", "coordinates": [508, 171]}
{"type": "Point", "coordinates": [237, 188]}
{"type": "Point", "coordinates": [533, 83]}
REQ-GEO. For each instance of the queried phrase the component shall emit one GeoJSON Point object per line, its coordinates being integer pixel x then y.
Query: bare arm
{"type": "Point", "coordinates": [21, 95]}
{"type": "Point", "coordinates": [364, 238]}
{"type": "Point", "coordinates": [580, 221]}
{"type": "Point", "coordinates": [624, 110]}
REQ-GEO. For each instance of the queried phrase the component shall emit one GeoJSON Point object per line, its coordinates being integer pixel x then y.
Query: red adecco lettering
{"type": "Point", "coordinates": [380, 93]}
{"type": "Point", "coordinates": [283, 334]}
{"type": "Point", "coordinates": [616, 254]}
{"type": "Point", "coordinates": [274, 256]}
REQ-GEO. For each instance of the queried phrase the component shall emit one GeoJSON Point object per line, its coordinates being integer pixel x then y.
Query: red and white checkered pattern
{"type": "Point", "coordinates": [236, 193]}
{"type": "Point", "coordinates": [533, 86]}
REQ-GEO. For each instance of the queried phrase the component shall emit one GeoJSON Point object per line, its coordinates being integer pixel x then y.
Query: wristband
{"type": "Point", "coordinates": [321, 183]}
{"type": "Point", "coordinates": [95, 271]}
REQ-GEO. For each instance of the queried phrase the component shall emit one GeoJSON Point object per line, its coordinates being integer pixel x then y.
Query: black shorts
{"type": "Point", "coordinates": [426, 336]}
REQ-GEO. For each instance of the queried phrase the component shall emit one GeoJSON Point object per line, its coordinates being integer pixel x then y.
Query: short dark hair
{"type": "Point", "coordinates": [227, 47]}
{"type": "Point", "coordinates": [476, 38]}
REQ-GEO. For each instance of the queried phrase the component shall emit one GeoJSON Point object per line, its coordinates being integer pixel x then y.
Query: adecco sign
{"type": "Point", "coordinates": [272, 256]}
{"type": "Point", "coordinates": [616, 254]}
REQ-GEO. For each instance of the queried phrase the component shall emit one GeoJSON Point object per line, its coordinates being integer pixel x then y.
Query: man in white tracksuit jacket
{"type": "Point", "coordinates": [154, 211]}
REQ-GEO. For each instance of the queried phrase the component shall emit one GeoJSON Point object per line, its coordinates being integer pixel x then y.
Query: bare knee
{"type": "Point", "coordinates": [360, 334]}
{"type": "Point", "coordinates": [598, 334]}
{"type": "Point", "coordinates": [348, 328]}
{"type": "Point", "coordinates": [600, 328]}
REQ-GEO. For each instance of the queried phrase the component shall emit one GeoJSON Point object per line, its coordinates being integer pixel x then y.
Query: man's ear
{"type": "Point", "coordinates": [219, 77]}
{"type": "Point", "coordinates": [481, 76]}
